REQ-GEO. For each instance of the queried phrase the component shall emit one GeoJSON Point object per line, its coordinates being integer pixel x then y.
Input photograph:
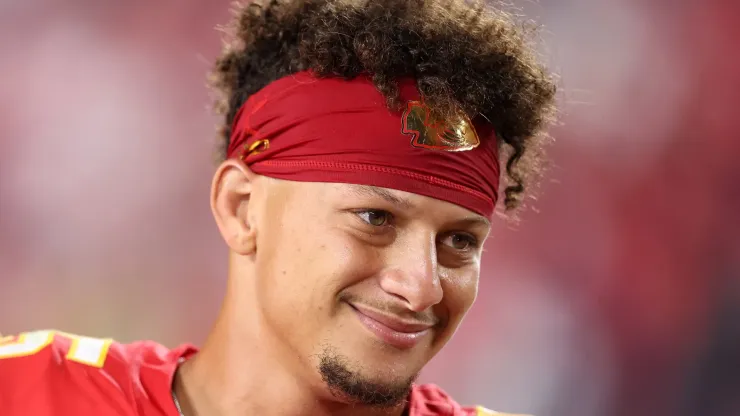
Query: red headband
{"type": "Point", "coordinates": [309, 129]}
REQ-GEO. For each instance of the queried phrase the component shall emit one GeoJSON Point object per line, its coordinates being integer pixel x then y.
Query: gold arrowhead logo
{"type": "Point", "coordinates": [430, 133]}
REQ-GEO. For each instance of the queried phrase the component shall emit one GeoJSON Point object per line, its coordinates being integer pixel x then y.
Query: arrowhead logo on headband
{"type": "Point", "coordinates": [430, 133]}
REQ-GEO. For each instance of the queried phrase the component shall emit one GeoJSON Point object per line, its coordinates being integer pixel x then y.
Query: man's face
{"type": "Point", "coordinates": [364, 284]}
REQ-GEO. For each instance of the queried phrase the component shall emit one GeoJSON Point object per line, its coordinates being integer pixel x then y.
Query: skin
{"type": "Point", "coordinates": [304, 259]}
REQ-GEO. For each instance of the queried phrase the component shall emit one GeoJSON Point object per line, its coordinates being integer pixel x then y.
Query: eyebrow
{"type": "Point", "coordinates": [373, 191]}
{"type": "Point", "coordinates": [473, 221]}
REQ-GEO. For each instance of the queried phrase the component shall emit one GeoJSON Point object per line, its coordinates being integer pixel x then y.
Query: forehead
{"type": "Point", "coordinates": [400, 198]}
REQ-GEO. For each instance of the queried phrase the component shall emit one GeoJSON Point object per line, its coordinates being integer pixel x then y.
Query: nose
{"type": "Point", "coordinates": [412, 274]}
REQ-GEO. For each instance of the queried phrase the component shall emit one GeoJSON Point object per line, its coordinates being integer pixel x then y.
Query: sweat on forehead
{"type": "Point", "coordinates": [305, 128]}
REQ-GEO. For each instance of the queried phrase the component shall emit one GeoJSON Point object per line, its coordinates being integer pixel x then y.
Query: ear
{"type": "Point", "coordinates": [231, 193]}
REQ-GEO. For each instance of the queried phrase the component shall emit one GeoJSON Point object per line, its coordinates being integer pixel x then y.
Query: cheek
{"type": "Point", "coordinates": [460, 291]}
{"type": "Point", "coordinates": [303, 270]}
{"type": "Point", "coordinates": [280, 286]}
{"type": "Point", "coordinates": [285, 272]}
{"type": "Point", "coordinates": [353, 260]}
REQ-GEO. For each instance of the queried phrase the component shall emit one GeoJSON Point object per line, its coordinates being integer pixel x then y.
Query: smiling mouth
{"type": "Point", "coordinates": [400, 333]}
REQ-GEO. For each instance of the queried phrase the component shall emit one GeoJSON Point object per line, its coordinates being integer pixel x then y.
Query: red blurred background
{"type": "Point", "coordinates": [618, 293]}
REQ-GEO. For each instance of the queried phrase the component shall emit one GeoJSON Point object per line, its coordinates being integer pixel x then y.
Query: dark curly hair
{"type": "Point", "coordinates": [466, 56]}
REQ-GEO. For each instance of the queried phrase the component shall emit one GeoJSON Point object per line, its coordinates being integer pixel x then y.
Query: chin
{"type": "Point", "coordinates": [357, 380]}
{"type": "Point", "coordinates": [377, 361]}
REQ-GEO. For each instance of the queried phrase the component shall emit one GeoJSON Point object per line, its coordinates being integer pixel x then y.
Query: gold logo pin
{"type": "Point", "coordinates": [430, 133]}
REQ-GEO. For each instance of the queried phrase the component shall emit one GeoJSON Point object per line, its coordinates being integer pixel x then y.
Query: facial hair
{"type": "Point", "coordinates": [347, 381]}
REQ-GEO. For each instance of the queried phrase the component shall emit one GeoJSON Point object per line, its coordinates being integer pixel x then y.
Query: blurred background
{"type": "Point", "coordinates": [618, 294]}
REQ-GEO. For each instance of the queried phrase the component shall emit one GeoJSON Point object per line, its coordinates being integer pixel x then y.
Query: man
{"type": "Point", "coordinates": [359, 179]}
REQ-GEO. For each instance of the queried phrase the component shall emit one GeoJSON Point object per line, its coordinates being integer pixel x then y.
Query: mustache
{"type": "Point", "coordinates": [393, 308]}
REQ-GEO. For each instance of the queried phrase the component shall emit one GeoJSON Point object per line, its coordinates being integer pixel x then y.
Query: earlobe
{"type": "Point", "coordinates": [231, 193]}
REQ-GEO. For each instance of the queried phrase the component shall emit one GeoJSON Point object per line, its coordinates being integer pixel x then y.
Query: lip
{"type": "Point", "coordinates": [396, 332]}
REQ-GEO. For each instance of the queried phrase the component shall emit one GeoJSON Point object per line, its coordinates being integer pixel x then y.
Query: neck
{"type": "Point", "coordinates": [242, 369]}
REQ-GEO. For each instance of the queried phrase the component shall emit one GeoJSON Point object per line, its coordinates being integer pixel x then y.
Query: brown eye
{"type": "Point", "coordinates": [460, 242]}
{"type": "Point", "coordinates": [375, 217]}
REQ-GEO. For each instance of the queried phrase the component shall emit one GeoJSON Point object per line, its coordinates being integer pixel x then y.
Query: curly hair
{"type": "Point", "coordinates": [465, 56]}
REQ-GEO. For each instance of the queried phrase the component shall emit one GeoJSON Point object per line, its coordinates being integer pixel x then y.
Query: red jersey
{"type": "Point", "coordinates": [51, 373]}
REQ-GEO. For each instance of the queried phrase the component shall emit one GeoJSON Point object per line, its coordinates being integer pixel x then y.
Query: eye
{"type": "Point", "coordinates": [460, 241]}
{"type": "Point", "coordinates": [375, 217]}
